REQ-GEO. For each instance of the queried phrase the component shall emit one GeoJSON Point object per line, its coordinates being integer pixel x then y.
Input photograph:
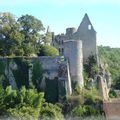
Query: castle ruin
{"type": "Point", "coordinates": [85, 33]}
{"type": "Point", "coordinates": [75, 47]}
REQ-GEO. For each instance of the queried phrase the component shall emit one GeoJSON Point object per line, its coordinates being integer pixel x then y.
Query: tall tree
{"type": "Point", "coordinates": [30, 28]}
{"type": "Point", "coordinates": [10, 37]}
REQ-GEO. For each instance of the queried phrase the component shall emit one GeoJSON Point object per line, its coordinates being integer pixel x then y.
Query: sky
{"type": "Point", "coordinates": [61, 14]}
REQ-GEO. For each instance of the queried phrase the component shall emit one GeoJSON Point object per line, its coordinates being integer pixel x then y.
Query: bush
{"type": "Point", "coordinates": [21, 104]}
{"type": "Point", "coordinates": [51, 112]}
{"type": "Point", "coordinates": [47, 50]}
{"type": "Point", "coordinates": [82, 111]}
{"type": "Point", "coordinates": [112, 94]}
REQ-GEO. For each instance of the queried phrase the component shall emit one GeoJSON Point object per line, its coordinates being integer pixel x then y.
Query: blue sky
{"type": "Point", "coordinates": [60, 14]}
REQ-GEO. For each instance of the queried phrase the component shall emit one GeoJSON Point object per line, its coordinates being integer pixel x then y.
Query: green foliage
{"type": "Point", "coordinates": [111, 56]}
{"type": "Point", "coordinates": [20, 104]}
{"type": "Point", "coordinates": [51, 112]}
{"type": "Point", "coordinates": [47, 38]}
{"type": "Point", "coordinates": [92, 106]}
{"type": "Point", "coordinates": [46, 50]}
{"type": "Point", "coordinates": [19, 37]}
{"type": "Point", "coordinates": [37, 75]}
{"type": "Point", "coordinates": [27, 104]}
{"type": "Point", "coordinates": [10, 37]}
{"type": "Point", "coordinates": [82, 111]}
{"type": "Point", "coordinates": [76, 88]}
{"type": "Point", "coordinates": [30, 28]}
{"type": "Point", "coordinates": [2, 75]}
{"type": "Point", "coordinates": [90, 68]}
{"type": "Point", "coordinates": [112, 93]}
{"type": "Point", "coordinates": [22, 70]}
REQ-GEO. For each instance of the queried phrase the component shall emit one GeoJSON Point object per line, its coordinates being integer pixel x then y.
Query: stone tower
{"type": "Point", "coordinates": [73, 53]}
{"type": "Point", "coordinates": [87, 34]}
{"type": "Point", "coordinates": [77, 46]}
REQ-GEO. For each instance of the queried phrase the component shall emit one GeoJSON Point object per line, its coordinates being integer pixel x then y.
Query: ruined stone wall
{"type": "Point", "coordinates": [102, 87]}
{"type": "Point", "coordinates": [87, 34]}
{"type": "Point", "coordinates": [55, 68]}
{"type": "Point", "coordinates": [112, 109]}
{"type": "Point", "coordinates": [55, 73]}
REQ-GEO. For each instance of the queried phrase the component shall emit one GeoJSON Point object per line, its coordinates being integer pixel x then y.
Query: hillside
{"type": "Point", "coordinates": [111, 56]}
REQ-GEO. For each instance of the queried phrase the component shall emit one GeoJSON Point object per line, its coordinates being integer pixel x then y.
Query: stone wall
{"type": "Point", "coordinates": [55, 71]}
{"type": "Point", "coordinates": [112, 109]}
{"type": "Point", "coordinates": [87, 34]}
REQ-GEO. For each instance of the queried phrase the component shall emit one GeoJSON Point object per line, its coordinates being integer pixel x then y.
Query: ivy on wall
{"type": "Point", "coordinates": [3, 79]}
{"type": "Point", "coordinates": [37, 74]}
{"type": "Point", "coordinates": [51, 90]}
{"type": "Point", "coordinates": [21, 74]}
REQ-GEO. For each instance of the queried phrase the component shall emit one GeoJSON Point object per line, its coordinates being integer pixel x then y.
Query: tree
{"type": "Point", "coordinates": [47, 50]}
{"type": "Point", "coordinates": [10, 37]}
{"type": "Point", "coordinates": [30, 28]}
{"type": "Point", "coordinates": [90, 67]}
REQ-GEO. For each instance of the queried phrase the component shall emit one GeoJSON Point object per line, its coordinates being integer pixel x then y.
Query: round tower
{"type": "Point", "coordinates": [73, 52]}
{"type": "Point", "coordinates": [70, 31]}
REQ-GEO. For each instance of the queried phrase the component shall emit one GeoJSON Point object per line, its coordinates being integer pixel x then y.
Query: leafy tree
{"type": "Point", "coordinates": [10, 37]}
{"type": "Point", "coordinates": [47, 50]}
{"type": "Point", "coordinates": [19, 37]}
{"type": "Point", "coordinates": [90, 68]}
{"type": "Point", "coordinates": [30, 28]}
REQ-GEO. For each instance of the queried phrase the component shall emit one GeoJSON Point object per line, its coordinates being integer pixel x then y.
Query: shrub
{"type": "Point", "coordinates": [47, 50]}
{"type": "Point", "coordinates": [51, 112]}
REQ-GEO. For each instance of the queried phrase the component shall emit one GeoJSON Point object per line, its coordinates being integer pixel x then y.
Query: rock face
{"type": "Point", "coordinates": [102, 87]}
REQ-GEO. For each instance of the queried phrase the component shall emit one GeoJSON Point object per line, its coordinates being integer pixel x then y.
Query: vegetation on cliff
{"type": "Point", "coordinates": [111, 57]}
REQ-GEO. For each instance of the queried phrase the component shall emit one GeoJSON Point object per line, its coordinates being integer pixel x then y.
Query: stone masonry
{"type": "Point", "coordinates": [85, 33]}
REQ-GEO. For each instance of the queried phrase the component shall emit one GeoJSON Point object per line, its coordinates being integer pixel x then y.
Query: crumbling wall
{"type": "Point", "coordinates": [112, 109]}
{"type": "Point", "coordinates": [19, 71]}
